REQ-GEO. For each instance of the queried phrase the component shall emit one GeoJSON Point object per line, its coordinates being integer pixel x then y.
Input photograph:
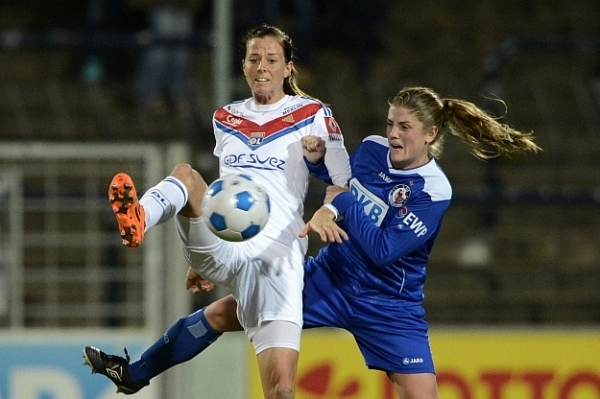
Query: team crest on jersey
{"type": "Point", "coordinates": [288, 119]}
{"type": "Point", "coordinates": [256, 138]}
{"type": "Point", "coordinates": [399, 195]}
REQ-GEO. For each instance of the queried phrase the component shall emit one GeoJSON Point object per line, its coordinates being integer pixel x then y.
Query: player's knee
{"type": "Point", "coordinates": [182, 171]}
{"type": "Point", "coordinates": [278, 382]}
{"type": "Point", "coordinates": [282, 383]}
{"type": "Point", "coordinates": [188, 175]}
{"type": "Point", "coordinates": [415, 386]}
{"type": "Point", "coordinates": [222, 316]}
{"type": "Point", "coordinates": [283, 390]}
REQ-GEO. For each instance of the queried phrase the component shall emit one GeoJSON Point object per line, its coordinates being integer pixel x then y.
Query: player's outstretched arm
{"type": "Point", "coordinates": [323, 223]}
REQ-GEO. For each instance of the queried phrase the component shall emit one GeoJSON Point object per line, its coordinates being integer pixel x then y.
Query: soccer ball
{"type": "Point", "coordinates": [236, 207]}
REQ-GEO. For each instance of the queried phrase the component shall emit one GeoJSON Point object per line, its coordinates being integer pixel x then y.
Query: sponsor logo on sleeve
{"type": "Point", "coordinates": [333, 129]}
{"type": "Point", "coordinates": [374, 207]}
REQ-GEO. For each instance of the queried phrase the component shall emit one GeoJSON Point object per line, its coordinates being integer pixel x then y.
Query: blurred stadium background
{"type": "Point", "coordinates": [518, 250]}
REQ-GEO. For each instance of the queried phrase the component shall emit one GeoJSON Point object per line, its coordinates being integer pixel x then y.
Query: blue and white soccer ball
{"type": "Point", "coordinates": [236, 207]}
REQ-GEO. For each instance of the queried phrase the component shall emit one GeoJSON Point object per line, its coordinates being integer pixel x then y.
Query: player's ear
{"type": "Point", "coordinates": [431, 134]}
{"type": "Point", "coordinates": [288, 70]}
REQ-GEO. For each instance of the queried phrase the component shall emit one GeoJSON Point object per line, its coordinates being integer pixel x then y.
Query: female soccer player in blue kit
{"type": "Point", "coordinates": [372, 283]}
{"type": "Point", "coordinates": [369, 280]}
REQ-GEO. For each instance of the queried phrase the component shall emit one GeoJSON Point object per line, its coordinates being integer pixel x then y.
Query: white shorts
{"type": "Point", "coordinates": [265, 275]}
{"type": "Point", "coordinates": [277, 334]}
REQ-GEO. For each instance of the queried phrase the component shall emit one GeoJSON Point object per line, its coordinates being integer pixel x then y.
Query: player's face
{"type": "Point", "coordinates": [408, 139]}
{"type": "Point", "coordinates": [265, 69]}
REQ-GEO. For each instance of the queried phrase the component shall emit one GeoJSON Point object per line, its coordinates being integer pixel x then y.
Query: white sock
{"type": "Point", "coordinates": [163, 201]}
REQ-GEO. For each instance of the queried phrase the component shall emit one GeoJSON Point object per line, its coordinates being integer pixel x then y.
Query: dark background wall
{"type": "Point", "coordinates": [520, 242]}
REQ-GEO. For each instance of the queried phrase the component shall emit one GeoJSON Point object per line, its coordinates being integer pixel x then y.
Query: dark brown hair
{"type": "Point", "coordinates": [290, 84]}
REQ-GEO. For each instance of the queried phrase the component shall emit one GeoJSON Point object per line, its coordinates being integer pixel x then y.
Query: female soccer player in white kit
{"type": "Point", "coordinates": [259, 137]}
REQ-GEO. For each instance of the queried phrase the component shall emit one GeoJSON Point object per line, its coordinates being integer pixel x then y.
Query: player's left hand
{"type": "Point", "coordinates": [196, 283]}
{"type": "Point", "coordinates": [323, 224]}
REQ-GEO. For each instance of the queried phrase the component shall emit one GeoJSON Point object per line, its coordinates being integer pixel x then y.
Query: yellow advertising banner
{"type": "Point", "coordinates": [471, 364]}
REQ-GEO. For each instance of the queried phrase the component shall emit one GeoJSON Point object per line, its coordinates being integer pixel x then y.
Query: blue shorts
{"type": "Point", "coordinates": [391, 338]}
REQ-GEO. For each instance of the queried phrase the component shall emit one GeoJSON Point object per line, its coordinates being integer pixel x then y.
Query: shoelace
{"type": "Point", "coordinates": [127, 355]}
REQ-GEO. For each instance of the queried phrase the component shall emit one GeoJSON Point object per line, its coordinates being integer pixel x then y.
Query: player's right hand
{"type": "Point", "coordinates": [313, 149]}
{"type": "Point", "coordinates": [196, 283]}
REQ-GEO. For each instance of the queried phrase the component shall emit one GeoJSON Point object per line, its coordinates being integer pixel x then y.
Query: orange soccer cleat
{"type": "Point", "coordinates": [130, 214]}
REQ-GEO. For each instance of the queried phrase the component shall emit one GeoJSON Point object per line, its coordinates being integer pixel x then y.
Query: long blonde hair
{"type": "Point", "coordinates": [484, 135]}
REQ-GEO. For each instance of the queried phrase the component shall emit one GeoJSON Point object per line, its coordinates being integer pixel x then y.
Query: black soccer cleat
{"type": "Point", "coordinates": [114, 367]}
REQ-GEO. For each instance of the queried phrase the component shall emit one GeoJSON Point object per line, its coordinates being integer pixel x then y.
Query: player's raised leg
{"type": "Point", "coordinates": [185, 339]}
{"type": "Point", "coordinates": [128, 211]}
{"type": "Point", "coordinates": [159, 204]}
{"type": "Point", "coordinates": [115, 368]}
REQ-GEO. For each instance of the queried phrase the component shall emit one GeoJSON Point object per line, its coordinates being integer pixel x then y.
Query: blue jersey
{"type": "Point", "coordinates": [392, 218]}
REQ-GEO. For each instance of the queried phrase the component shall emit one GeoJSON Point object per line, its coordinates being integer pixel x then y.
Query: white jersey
{"type": "Point", "coordinates": [265, 273]}
{"type": "Point", "coordinates": [264, 142]}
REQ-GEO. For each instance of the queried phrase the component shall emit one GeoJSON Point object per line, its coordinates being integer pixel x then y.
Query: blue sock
{"type": "Point", "coordinates": [185, 339]}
